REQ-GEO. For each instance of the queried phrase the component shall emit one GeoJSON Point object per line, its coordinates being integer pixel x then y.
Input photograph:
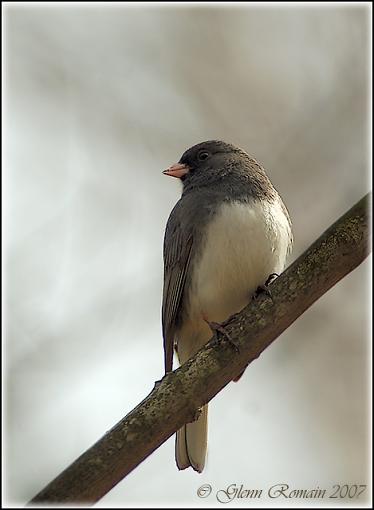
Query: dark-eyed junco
{"type": "Point", "coordinates": [228, 232]}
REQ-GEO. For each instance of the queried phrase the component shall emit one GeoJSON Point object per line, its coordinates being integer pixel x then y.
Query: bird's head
{"type": "Point", "coordinates": [207, 162]}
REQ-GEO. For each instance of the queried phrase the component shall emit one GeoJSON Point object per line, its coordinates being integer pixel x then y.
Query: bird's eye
{"type": "Point", "coordinates": [203, 155]}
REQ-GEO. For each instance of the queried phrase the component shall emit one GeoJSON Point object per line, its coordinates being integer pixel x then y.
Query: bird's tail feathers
{"type": "Point", "coordinates": [191, 443]}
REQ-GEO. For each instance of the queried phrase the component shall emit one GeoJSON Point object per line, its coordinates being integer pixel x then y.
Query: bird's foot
{"type": "Point", "coordinates": [216, 326]}
{"type": "Point", "coordinates": [271, 278]}
{"type": "Point", "coordinates": [264, 289]}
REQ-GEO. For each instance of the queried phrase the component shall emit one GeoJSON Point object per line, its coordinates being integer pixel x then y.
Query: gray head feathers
{"type": "Point", "coordinates": [220, 167]}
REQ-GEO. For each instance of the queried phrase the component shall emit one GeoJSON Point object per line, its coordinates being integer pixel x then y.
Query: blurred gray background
{"type": "Point", "coordinates": [99, 99]}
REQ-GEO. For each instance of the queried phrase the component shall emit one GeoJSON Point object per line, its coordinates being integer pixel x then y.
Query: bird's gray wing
{"type": "Point", "coordinates": [177, 256]}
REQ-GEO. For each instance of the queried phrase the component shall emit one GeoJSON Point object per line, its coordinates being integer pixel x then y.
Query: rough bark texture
{"type": "Point", "coordinates": [176, 399]}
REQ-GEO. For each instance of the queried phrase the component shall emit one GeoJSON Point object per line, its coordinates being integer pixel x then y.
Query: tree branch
{"type": "Point", "coordinates": [175, 399]}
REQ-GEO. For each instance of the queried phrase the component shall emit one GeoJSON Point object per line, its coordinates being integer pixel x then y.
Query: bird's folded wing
{"type": "Point", "coordinates": [177, 256]}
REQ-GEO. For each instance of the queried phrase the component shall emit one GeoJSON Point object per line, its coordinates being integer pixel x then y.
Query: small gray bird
{"type": "Point", "coordinates": [228, 232]}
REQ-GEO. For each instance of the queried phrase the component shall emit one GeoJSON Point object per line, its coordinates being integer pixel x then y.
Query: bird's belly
{"type": "Point", "coordinates": [243, 245]}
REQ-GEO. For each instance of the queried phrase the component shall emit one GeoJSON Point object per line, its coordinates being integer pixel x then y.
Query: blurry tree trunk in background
{"type": "Point", "coordinates": [176, 399]}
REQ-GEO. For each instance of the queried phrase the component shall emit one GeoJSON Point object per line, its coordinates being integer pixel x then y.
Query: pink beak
{"type": "Point", "coordinates": [176, 170]}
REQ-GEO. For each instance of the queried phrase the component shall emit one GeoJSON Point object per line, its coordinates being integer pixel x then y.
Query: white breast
{"type": "Point", "coordinates": [244, 244]}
